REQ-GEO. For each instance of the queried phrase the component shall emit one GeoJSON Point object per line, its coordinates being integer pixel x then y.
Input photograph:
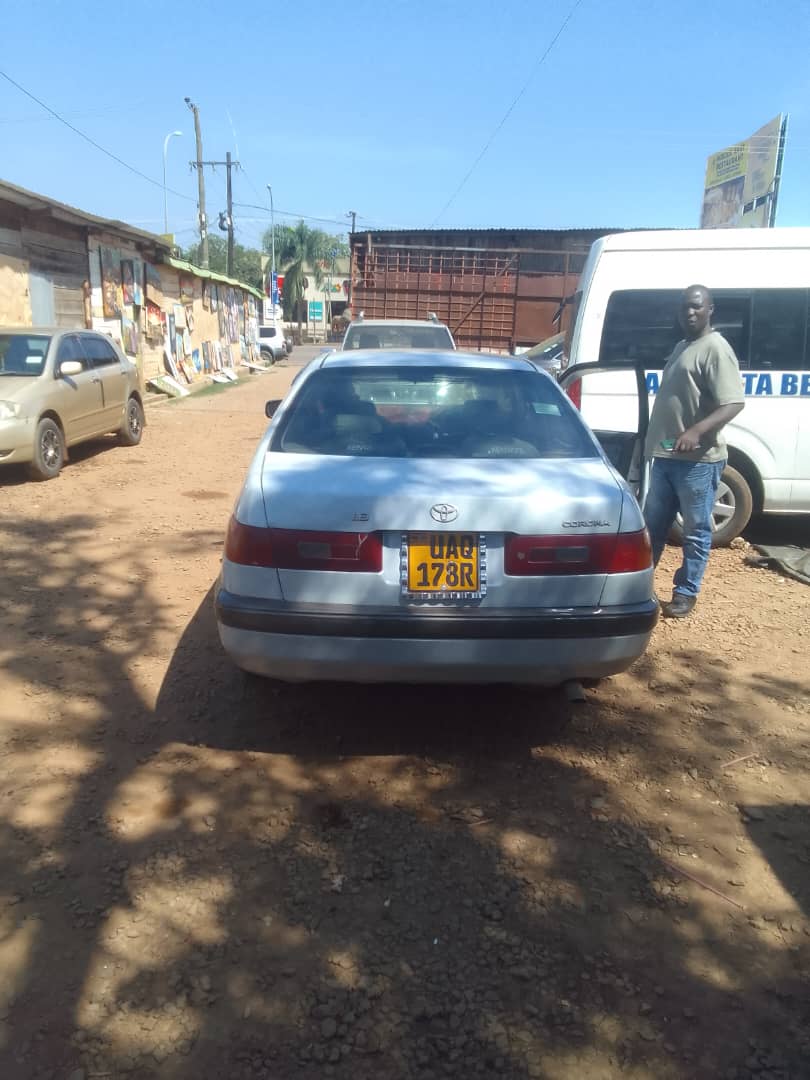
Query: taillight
{"type": "Point", "coordinates": [294, 549]}
{"type": "Point", "coordinates": [574, 391]}
{"type": "Point", "coordinates": [535, 556]}
{"type": "Point", "coordinates": [248, 545]}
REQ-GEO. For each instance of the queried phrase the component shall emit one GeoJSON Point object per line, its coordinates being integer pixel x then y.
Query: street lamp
{"type": "Point", "coordinates": [171, 135]}
{"type": "Point", "coordinates": [273, 288]}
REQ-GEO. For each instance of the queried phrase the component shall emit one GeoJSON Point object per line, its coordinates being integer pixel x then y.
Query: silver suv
{"type": "Point", "coordinates": [272, 343]}
{"type": "Point", "coordinates": [59, 388]}
{"type": "Point", "coordinates": [397, 334]}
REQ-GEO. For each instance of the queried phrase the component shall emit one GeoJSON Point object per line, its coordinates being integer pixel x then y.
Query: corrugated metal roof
{"type": "Point", "coordinates": [30, 200]}
{"type": "Point", "coordinates": [198, 271]}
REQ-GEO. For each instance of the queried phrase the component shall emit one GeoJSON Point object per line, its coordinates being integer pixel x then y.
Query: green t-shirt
{"type": "Point", "coordinates": [699, 376]}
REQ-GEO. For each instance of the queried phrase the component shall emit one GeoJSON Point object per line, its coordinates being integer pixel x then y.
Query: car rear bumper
{"type": "Point", "coordinates": [297, 643]}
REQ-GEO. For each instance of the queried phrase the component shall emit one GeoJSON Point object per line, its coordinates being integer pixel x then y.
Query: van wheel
{"type": "Point", "coordinates": [732, 510]}
{"type": "Point", "coordinates": [268, 356]}
{"type": "Point", "coordinates": [130, 432]}
{"type": "Point", "coordinates": [49, 451]}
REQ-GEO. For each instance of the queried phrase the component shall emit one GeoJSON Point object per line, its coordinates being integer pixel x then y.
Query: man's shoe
{"type": "Point", "coordinates": [679, 606]}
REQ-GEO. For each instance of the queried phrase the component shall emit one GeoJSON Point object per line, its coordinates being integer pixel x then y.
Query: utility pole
{"type": "Point", "coordinates": [353, 215]}
{"type": "Point", "coordinates": [230, 214]}
{"type": "Point", "coordinates": [200, 185]}
{"type": "Point", "coordinates": [226, 216]}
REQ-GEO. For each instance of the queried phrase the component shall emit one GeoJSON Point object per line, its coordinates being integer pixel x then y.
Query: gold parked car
{"type": "Point", "coordinates": [59, 388]}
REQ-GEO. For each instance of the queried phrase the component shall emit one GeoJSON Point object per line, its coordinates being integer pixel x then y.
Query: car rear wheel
{"type": "Point", "coordinates": [131, 430]}
{"type": "Point", "coordinates": [732, 511]}
{"type": "Point", "coordinates": [268, 356]}
{"type": "Point", "coordinates": [49, 451]}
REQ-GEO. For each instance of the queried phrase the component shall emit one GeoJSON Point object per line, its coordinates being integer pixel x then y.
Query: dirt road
{"type": "Point", "coordinates": [201, 877]}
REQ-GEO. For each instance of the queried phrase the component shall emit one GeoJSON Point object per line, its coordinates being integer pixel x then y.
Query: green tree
{"type": "Point", "coordinates": [247, 262]}
{"type": "Point", "coordinates": [301, 251]}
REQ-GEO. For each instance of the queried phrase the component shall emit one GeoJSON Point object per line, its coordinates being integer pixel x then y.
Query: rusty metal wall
{"type": "Point", "coordinates": [492, 299]}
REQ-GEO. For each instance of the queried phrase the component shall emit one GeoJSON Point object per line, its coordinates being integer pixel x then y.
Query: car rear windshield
{"type": "Point", "coordinates": [23, 354]}
{"type": "Point", "coordinates": [398, 337]}
{"type": "Point", "coordinates": [431, 412]}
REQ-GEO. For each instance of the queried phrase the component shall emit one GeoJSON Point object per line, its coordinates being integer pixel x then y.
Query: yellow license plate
{"type": "Point", "coordinates": [443, 565]}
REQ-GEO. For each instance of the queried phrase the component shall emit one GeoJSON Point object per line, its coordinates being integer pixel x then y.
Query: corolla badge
{"type": "Point", "coordinates": [443, 512]}
{"type": "Point", "coordinates": [595, 523]}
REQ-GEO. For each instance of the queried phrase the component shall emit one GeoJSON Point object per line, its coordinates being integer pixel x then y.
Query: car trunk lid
{"type": "Point", "coordinates": [398, 497]}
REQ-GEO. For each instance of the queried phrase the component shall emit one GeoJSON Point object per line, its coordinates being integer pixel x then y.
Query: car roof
{"type": "Point", "coordinates": [547, 343]}
{"type": "Point", "coordinates": [395, 322]}
{"type": "Point", "coordinates": [700, 239]}
{"type": "Point", "coordinates": [396, 358]}
{"type": "Point", "coordinates": [33, 330]}
{"type": "Point", "coordinates": [50, 330]}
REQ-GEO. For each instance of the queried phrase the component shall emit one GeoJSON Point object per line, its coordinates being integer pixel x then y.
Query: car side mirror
{"type": "Point", "coordinates": [71, 367]}
{"type": "Point", "coordinates": [271, 408]}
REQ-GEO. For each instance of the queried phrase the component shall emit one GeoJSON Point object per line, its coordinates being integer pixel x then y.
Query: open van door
{"type": "Point", "coordinates": [614, 404]}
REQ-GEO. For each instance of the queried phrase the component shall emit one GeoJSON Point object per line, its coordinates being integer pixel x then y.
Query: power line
{"type": "Point", "coordinates": [92, 142]}
{"type": "Point", "coordinates": [149, 179]}
{"type": "Point", "coordinates": [509, 111]}
{"type": "Point", "coordinates": [244, 172]}
{"type": "Point", "coordinates": [95, 114]}
{"type": "Point", "coordinates": [290, 213]}
{"type": "Point", "coordinates": [282, 213]}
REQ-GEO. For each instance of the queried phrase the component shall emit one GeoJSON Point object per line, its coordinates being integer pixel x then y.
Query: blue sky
{"type": "Point", "coordinates": [382, 107]}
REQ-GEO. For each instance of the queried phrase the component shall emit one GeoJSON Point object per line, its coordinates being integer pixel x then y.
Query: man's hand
{"type": "Point", "coordinates": [690, 439]}
{"type": "Point", "coordinates": [687, 442]}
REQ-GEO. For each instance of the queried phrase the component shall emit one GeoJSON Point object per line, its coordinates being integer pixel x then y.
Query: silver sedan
{"type": "Point", "coordinates": [433, 517]}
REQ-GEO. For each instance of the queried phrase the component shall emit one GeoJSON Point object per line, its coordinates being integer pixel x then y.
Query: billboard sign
{"type": "Point", "coordinates": [742, 181]}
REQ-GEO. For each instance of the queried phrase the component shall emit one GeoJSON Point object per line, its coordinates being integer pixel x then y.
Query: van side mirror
{"type": "Point", "coordinates": [271, 408]}
{"type": "Point", "coordinates": [71, 368]}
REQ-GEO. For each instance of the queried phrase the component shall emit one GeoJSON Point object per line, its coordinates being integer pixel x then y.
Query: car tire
{"type": "Point", "coordinates": [268, 356]}
{"type": "Point", "coordinates": [733, 508]}
{"type": "Point", "coordinates": [131, 431]}
{"type": "Point", "coordinates": [49, 451]}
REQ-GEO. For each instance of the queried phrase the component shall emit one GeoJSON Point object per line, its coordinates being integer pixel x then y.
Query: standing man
{"type": "Point", "coordinates": [700, 391]}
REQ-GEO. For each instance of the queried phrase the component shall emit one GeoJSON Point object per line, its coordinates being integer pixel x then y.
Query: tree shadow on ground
{"type": "Point", "coordinates": [779, 529]}
{"type": "Point", "coordinates": [16, 475]}
{"type": "Point", "coordinates": [255, 880]}
{"type": "Point", "coordinates": [782, 833]}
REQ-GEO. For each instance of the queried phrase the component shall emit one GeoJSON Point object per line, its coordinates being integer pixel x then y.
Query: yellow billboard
{"type": "Point", "coordinates": [742, 181]}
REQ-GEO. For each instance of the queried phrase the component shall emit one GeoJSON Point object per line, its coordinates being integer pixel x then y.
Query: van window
{"type": "Point", "coordinates": [779, 329]}
{"type": "Point", "coordinates": [767, 328]}
{"type": "Point", "coordinates": [641, 324]}
{"type": "Point", "coordinates": [732, 317]}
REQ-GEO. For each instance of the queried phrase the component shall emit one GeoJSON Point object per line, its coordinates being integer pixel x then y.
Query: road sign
{"type": "Point", "coordinates": [316, 310]}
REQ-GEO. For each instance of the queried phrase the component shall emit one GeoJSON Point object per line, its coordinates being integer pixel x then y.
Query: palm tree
{"type": "Point", "coordinates": [298, 247]}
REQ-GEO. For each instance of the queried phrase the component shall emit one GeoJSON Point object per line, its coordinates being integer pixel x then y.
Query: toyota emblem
{"type": "Point", "coordinates": [443, 512]}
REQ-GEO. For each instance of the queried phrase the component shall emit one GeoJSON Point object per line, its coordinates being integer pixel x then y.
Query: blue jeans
{"type": "Point", "coordinates": [691, 488]}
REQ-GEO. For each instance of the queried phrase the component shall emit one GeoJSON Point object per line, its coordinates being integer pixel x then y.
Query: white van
{"type": "Point", "coordinates": [625, 316]}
